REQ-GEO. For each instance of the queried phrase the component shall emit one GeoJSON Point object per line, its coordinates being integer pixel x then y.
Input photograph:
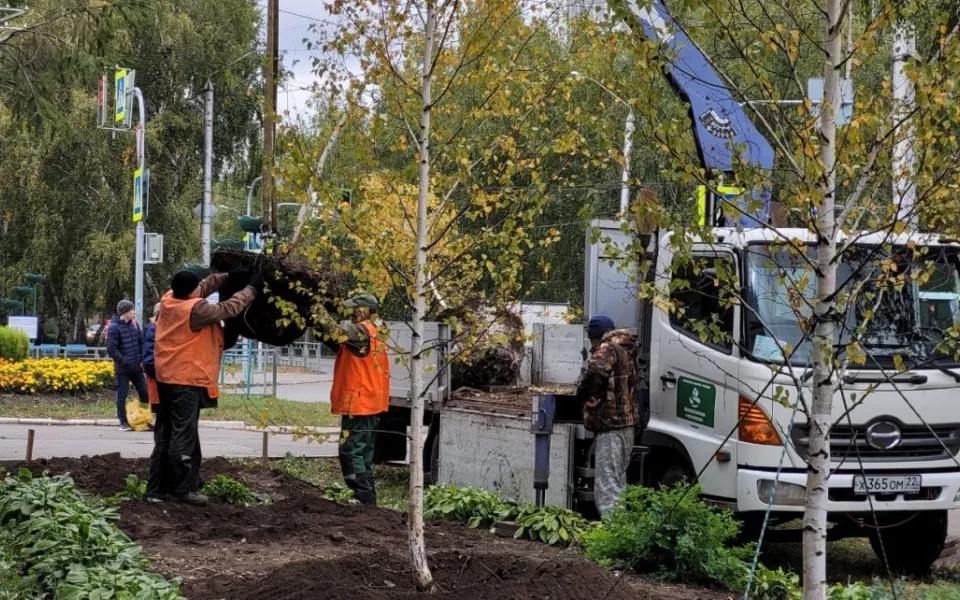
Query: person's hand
{"type": "Point", "coordinates": [256, 282]}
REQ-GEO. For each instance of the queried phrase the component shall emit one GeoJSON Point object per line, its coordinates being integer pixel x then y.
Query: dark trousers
{"type": "Point", "coordinates": [175, 462]}
{"type": "Point", "coordinates": [123, 389]}
{"type": "Point", "coordinates": [358, 435]}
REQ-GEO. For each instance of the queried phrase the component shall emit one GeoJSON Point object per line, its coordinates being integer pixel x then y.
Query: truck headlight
{"type": "Point", "coordinates": [785, 494]}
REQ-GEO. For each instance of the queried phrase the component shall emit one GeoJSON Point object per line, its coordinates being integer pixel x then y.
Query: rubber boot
{"type": "Point", "coordinates": [366, 490]}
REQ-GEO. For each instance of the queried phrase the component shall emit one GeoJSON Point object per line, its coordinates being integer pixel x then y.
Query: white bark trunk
{"type": "Point", "coordinates": [305, 209]}
{"type": "Point", "coordinates": [418, 550]}
{"type": "Point", "coordinates": [818, 471]}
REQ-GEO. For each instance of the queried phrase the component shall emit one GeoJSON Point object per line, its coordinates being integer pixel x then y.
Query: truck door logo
{"type": "Point", "coordinates": [696, 401]}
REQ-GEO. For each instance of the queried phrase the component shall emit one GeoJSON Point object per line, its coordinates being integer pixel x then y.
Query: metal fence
{"type": "Point", "coordinates": [78, 351]}
{"type": "Point", "coordinates": [251, 367]}
{"type": "Point", "coordinates": [305, 355]}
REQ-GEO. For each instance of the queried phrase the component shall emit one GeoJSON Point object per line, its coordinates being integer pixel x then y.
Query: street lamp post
{"type": "Point", "coordinates": [629, 128]}
{"type": "Point", "coordinates": [35, 279]}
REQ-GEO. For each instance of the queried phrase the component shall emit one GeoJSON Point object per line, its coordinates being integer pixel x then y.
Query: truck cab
{"type": "Point", "coordinates": [727, 408]}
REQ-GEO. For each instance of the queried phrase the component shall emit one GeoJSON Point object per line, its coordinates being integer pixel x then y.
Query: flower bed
{"type": "Point", "coordinates": [46, 375]}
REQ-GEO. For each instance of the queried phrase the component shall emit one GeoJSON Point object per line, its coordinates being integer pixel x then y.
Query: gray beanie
{"type": "Point", "coordinates": [124, 307]}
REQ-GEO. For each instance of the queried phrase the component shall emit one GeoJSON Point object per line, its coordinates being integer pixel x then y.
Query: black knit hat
{"type": "Point", "coordinates": [183, 284]}
{"type": "Point", "coordinates": [124, 306]}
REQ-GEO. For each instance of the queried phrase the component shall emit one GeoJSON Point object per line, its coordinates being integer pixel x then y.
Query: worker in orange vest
{"type": "Point", "coordinates": [187, 355]}
{"type": "Point", "coordinates": [361, 389]}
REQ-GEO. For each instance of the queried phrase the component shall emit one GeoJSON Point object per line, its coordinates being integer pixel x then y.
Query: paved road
{"type": "Point", "coordinates": [300, 387]}
{"type": "Point", "coordinates": [63, 441]}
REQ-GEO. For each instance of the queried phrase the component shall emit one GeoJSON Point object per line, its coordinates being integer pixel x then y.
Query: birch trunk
{"type": "Point", "coordinates": [418, 551]}
{"type": "Point", "coordinates": [321, 163]}
{"type": "Point", "coordinates": [818, 471]}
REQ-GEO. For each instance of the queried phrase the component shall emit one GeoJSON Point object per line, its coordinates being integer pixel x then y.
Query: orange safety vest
{"type": "Point", "coordinates": [183, 356]}
{"type": "Point", "coordinates": [361, 385]}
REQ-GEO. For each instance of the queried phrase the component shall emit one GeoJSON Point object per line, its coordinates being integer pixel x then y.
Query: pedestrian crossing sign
{"type": "Point", "coordinates": [120, 83]}
{"type": "Point", "coordinates": [137, 195]}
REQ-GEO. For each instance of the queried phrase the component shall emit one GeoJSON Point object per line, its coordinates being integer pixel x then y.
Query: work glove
{"type": "Point", "coordinates": [256, 282]}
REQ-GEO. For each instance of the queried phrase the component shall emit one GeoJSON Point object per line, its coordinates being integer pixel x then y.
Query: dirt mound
{"type": "Point", "coordinates": [458, 575]}
{"type": "Point", "coordinates": [301, 546]}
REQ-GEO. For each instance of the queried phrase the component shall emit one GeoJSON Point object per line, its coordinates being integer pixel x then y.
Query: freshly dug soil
{"type": "Point", "coordinates": [106, 394]}
{"type": "Point", "coordinates": [304, 547]}
{"type": "Point", "coordinates": [289, 278]}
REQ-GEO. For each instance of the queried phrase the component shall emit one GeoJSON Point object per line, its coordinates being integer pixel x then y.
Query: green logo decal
{"type": "Point", "coordinates": [696, 401]}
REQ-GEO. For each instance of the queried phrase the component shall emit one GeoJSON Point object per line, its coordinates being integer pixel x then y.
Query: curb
{"type": "Point", "coordinates": [289, 429]}
{"type": "Point", "coordinates": [231, 425]}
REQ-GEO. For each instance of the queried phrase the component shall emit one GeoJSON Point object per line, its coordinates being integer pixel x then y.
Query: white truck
{"type": "Point", "coordinates": [716, 411]}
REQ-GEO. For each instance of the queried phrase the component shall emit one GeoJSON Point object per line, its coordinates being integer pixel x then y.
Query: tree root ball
{"type": "Point", "coordinates": [290, 283]}
{"type": "Point", "coordinates": [490, 348]}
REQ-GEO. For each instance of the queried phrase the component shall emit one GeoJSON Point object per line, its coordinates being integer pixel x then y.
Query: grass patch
{"type": "Point", "coordinates": [252, 410]}
{"type": "Point", "coordinates": [392, 481]}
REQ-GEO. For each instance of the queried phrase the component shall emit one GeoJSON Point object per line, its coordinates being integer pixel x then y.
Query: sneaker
{"type": "Point", "coordinates": [156, 498]}
{"type": "Point", "coordinates": [191, 498]}
{"type": "Point", "coordinates": [126, 427]}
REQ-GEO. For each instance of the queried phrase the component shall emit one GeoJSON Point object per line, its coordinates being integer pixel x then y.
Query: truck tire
{"type": "Point", "coordinates": [674, 473]}
{"type": "Point", "coordinates": [913, 544]}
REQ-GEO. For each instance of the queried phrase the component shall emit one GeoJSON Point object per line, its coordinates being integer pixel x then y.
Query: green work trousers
{"type": "Point", "coordinates": [358, 435]}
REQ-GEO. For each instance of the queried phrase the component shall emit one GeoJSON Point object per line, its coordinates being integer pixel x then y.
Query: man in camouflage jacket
{"type": "Point", "coordinates": [608, 390]}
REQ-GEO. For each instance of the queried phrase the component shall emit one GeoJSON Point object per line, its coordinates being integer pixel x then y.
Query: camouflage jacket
{"type": "Point", "coordinates": [608, 386]}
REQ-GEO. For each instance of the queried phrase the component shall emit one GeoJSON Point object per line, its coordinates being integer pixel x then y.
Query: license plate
{"type": "Point", "coordinates": [886, 484]}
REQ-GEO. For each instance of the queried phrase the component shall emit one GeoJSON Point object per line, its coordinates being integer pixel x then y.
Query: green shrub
{"type": "Point", "coordinates": [134, 488]}
{"type": "Point", "coordinates": [338, 493]}
{"type": "Point", "coordinates": [473, 506]}
{"type": "Point", "coordinates": [548, 524]}
{"type": "Point", "coordinates": [230, 491]}
{"type": "Point", "coordinates": [768, 584]}
{"type": "Point", "coordinates": [690, 545]}
{"type": "Point", "coordinates": [14, 344]}
{"type": "Point", "coordinates": [60, 544]}
{"type": "Point", "coordinates": [850, 591]}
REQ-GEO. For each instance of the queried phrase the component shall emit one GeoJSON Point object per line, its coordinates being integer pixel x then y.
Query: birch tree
{"type": "Point", "coordinates": [837, 182]}
{"type": "Point", "coordinates": [451, 157]}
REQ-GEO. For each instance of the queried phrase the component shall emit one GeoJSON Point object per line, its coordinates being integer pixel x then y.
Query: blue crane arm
{"type": "Point", "coordinates": [719, 122]}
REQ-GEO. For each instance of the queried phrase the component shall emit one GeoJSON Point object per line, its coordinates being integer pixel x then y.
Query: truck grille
{"type": "Point", "coordinates": [918, 443]}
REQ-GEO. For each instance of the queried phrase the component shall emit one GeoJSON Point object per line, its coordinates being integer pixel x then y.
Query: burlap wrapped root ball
{"type": "Point", "coordinates": [289, 282]}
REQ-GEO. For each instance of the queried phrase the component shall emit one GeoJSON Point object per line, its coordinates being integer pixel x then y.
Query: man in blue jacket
{"type": "Point", "coordinates": [125, 347]}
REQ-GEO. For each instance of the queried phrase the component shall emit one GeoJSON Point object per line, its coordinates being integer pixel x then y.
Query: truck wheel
{"type": "Point", "coordinates": [674, 473]}
{"type": "Point", "coordinates": [912, 544]}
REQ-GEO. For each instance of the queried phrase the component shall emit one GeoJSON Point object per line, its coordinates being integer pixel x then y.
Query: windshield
{"type": "Point", "coordinates": [908, 320]}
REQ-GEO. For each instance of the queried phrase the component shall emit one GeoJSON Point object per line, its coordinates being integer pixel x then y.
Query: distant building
{"type": "Point", "coordinates": [598, 9]}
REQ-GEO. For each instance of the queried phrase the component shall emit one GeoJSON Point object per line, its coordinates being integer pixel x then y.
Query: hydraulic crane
{"type": "Point", "coordinates": [720, 125]}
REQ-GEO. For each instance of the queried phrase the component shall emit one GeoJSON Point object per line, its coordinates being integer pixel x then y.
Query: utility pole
{"type": "Point", "coordinates": [628, 129]}
{"type": "Point", "coordinates": [904, 192]}
{"type": "Point", "coordinates": [205, 209]}
{"type": "Point", "coordinates": [141, 163]}
{"type": "Point", "coordinates": [125, 92]}
{"type": "Point", "coordinates": [270, 116]}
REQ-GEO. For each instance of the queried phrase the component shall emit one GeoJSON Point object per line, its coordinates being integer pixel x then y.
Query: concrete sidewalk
{"type": "Point", "coordinates": [299, 387]}
{"type": "Point", "coordinates": [75, 441]}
